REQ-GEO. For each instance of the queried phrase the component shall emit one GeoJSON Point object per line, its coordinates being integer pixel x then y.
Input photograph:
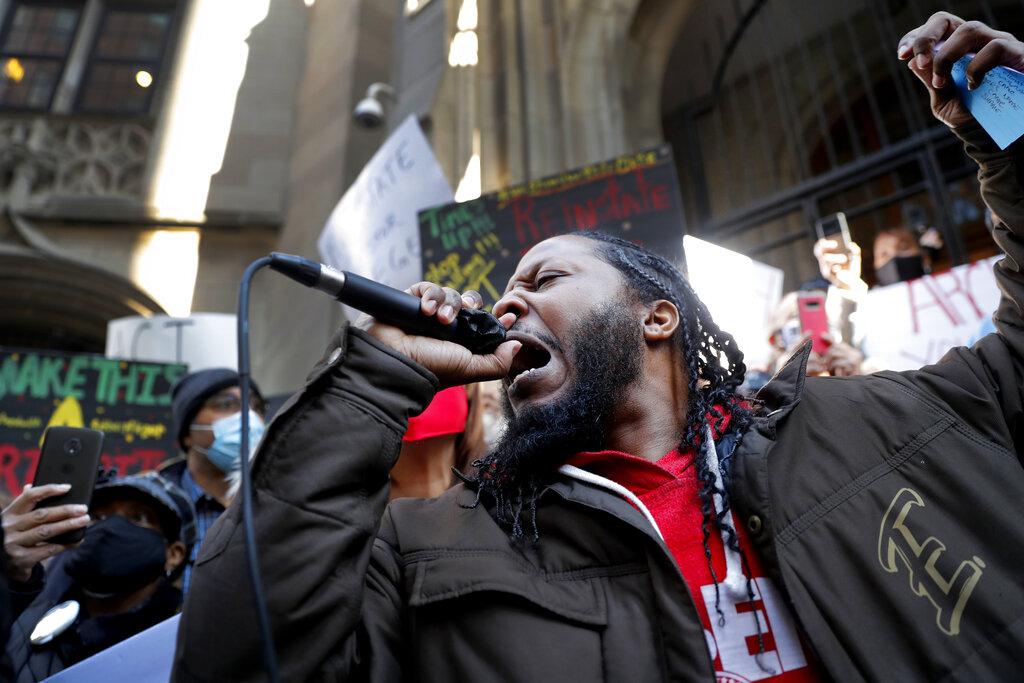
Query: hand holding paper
{"type": "Point", "coordinates": [972, 72]}
{"type": "Point", "coordinates": [997, 103]}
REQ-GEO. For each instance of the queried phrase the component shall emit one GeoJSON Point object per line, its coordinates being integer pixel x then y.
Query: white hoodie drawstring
{"type": "Point", "coordinates": [605, 483]}
{"type": "Point", "coordinates": [735, 582]}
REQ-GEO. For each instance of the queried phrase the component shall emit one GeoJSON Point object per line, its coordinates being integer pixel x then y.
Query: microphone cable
{"type": "Point", "coordinates": [249, 530]}
{"type": "Point", "coordinates": [476, 330]}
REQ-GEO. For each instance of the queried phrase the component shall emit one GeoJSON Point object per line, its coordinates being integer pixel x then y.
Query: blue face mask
{"type": "Point", "coordinates": [226, 449]}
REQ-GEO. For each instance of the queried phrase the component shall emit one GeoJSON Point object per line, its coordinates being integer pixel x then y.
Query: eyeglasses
{"type": "Point", "coordinates": [229, 403]}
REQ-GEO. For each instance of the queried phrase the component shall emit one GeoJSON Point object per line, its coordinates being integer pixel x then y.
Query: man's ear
{"type": "Point", "coordinates": [175, 556]}
{"type": "Point", "coordinates": [661, 321]}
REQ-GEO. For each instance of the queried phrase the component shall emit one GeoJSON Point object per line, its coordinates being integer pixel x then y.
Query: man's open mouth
{"type": "Point", "coordinates": [529, 363]}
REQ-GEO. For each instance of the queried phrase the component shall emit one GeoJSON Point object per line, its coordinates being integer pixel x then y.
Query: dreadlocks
{"type": "Point", "coordinates": [714, 371]}
{"type": "Point", "coordinates": [712, 384]}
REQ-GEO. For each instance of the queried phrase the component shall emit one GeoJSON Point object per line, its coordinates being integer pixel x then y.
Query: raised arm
{"type": "Point", "coordinates": [991, 373]}
{"type": "Point", "coordinates": [1001, 172]}
{"type": "Point", "coordinates": [320, 487]}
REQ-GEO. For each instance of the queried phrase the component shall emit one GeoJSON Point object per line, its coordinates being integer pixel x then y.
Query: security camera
{"type": "Point", "coordinates": [369, 113]}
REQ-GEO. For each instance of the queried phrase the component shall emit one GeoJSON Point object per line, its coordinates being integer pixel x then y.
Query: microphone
{"type": "Point", "coordinates": [476, 330]}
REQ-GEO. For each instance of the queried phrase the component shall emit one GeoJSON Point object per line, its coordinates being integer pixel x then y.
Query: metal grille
{"type": "Point", "coordinates": [814, 115]}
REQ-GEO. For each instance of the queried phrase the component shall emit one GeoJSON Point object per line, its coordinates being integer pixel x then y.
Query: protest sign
{"type": "Point", "coordinates": [129, 401]}
{"type": "Point", "coordinates": [740, 293]}
{"type": "Point", "coordinates": [373, 229]}
{"type": "Point", "coordinates": [477, 244]}
{"type": "Point", "coordinates": [200, 341]}
{"type": "Point", "coordinates": [911, 324]}
{"type": "Point", "coordinates": [146, 657]}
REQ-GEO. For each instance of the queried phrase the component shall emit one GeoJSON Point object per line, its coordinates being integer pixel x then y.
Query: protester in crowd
{"type": "Point", "coordinates": [488, 401]}
{"type": "Point", "coordinates": [638, 520]}
{"type": "Point", "coordinates": [6, 615]}
{"type": "Point", "coordinates": [900, 254]}
{"type": "Point", "coordinates": [207, 421]}
{"type": "Point", "coordinates": [118, 581]}
{"type": "Point", "coordinates": [787, 338]}
{"type": "Point", "coordinates": [432, 447]}
{"type": "Point", "coordinates": [27, 533]}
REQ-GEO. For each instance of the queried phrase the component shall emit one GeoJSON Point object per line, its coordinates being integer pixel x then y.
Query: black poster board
{"type": "Point", "coordinates": [130, 401]}
{"type": "Point", "coordinates": [477, 244]}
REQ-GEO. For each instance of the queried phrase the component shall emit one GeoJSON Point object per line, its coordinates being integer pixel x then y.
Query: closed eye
{"type": "Point", "coordinates": [546, 278]}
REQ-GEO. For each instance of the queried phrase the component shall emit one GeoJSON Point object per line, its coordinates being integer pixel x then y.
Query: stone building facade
{"type": "Point", "coordinates": [243, 140]}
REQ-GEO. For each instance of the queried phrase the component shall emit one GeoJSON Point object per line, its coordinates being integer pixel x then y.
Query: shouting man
{"type": "Point", "coordinates": [639, 521]}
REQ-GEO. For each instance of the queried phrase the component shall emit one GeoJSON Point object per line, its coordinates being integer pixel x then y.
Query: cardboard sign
{"type": "Point", "coordinates": [129, 401]}
{"type": "Point", "coordinates": [373, 229]}
{"type": "Point", "coordinates": [740, 293]}
{"type": "Point", "coordinates": [200, 341]}
{"type": "Point", "coordinates": [911, 324]}
{"type": "Point", "coordinates": [477, 244]}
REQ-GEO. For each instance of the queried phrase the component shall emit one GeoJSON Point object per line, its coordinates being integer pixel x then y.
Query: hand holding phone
{"type": "Point", "coordinates": [836, 228]}
{"type": "Point", "coordinates": [70, 455]}
{"type": "Point", "coordinates": [814, 320]}
{"type": "Point", "coordinates": [29, 531]}
{"type": "Point", "coordinates": [838, 255]}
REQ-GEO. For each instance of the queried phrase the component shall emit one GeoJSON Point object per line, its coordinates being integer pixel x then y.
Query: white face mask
{"type": "Point", "coordinates": [226, 449]}
{"type": "Point", "coordinates": [494, 425]}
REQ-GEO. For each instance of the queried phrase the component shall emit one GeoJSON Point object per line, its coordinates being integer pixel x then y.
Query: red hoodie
{"type": "Point", "coordinates": [669, 491]}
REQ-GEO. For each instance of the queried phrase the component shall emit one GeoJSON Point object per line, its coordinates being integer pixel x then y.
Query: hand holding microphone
{"type": "Point", "coordinates": [448, 333]}
{"type": "Point", "coordinates": [452, 363]}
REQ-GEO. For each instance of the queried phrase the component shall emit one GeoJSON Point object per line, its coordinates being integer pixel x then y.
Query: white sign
{"type": "Point", "coordinates": [373, 231]}
{"type": "Point", "coordinates": [202, 340]}
{"type": "Point", "coordinates": [740, 293]}
{"type": "Point", "coordinates": [911, 324]}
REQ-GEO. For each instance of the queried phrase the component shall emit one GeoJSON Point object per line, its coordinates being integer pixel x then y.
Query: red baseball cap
{"type": "Point", "coordinates": [446, 414]}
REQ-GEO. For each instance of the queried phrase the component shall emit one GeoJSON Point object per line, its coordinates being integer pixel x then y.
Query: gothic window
{"type": "Point", "coordinates": [126, 58]}
{"type": "Point", "coordinates": [35, 41]}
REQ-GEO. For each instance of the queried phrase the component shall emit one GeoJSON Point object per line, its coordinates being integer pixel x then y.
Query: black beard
{"type": "Point", "coordinates": [606, 354]}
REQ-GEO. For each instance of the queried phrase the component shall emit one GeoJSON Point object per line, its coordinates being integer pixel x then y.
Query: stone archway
{"type": "Point", "coordinates": [48, 300]}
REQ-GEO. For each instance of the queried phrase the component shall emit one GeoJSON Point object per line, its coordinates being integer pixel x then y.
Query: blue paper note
{"type": "Point", "coordinates": [997, 103]}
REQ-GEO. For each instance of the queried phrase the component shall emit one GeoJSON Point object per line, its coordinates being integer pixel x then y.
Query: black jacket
{"type": "Point", "coordinates": [87, 636]}
{"type": "Point", "coordinates": [886, 509]}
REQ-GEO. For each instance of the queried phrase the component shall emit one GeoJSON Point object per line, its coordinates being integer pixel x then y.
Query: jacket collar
{"type": "Point", "coordinates": [599, 498]}
{"type": "Point", "coordinates": [783, 391]}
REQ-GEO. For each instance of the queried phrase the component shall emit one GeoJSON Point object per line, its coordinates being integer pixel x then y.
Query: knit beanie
{"type": "Point", "coordinates": [192, 391]}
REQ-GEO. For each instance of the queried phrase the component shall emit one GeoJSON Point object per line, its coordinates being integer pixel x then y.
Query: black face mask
{"type": "Point", "coordinates": [117, 557]}
{"type": "Point", "coordinates": [900, 269]}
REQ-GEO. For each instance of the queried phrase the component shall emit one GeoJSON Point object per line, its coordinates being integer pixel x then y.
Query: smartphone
{"type": "Point", "coordinates": [836, 228]}
{"type": "Point", "coordinates": [70, 455]}
{"type": "Point", "coordinates": [813, 319]}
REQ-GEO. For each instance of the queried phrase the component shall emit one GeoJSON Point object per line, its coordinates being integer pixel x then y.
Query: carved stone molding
{"type": "Point", "coordinates": [44, 157]}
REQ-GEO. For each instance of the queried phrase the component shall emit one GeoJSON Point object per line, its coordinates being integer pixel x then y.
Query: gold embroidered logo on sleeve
{"type": "Point", "coordinates": [896, 540]}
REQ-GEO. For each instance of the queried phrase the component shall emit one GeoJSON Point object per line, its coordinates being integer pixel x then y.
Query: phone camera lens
{"type": "Point", "coordinates": [72, 446]}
